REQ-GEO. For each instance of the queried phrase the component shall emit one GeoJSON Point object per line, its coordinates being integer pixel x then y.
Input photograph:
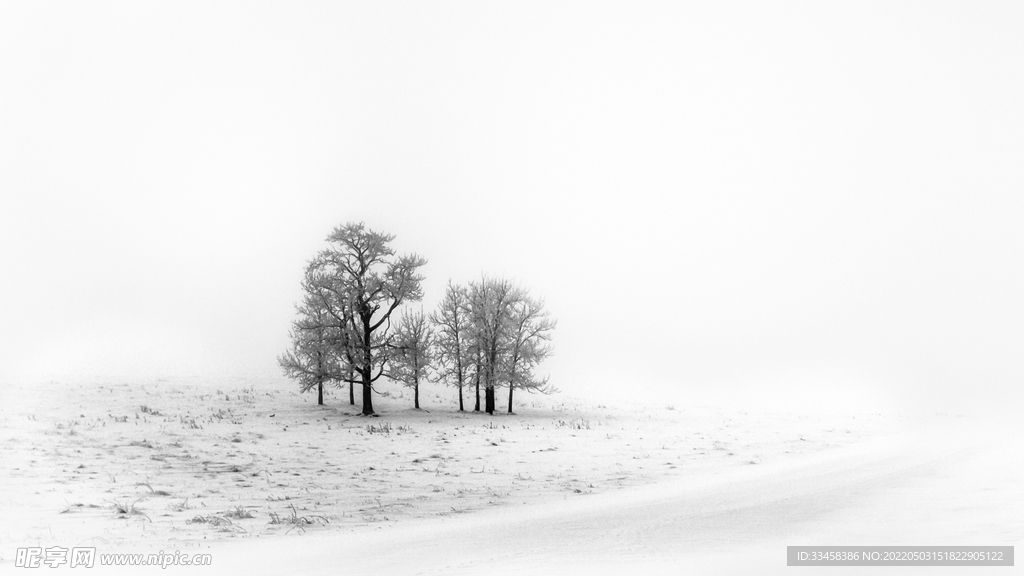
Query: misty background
{"type": "Point", "coordinates": [725, 202]}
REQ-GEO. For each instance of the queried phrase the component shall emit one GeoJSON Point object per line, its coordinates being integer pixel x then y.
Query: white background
{"type": "Point", "coordinates": [722, 201]}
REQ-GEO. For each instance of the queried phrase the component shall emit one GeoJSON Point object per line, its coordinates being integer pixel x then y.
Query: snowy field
{"type": "Point", "coordinates": [771, 252]}
{"type": "Point", "coordinates": [270, 483]}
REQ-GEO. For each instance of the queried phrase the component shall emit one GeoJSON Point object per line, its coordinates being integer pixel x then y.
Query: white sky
{"type": "Point", "coordinates": [714, 198]}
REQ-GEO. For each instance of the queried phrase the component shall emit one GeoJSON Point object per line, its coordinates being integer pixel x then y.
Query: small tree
{"type": "Point", "coordinates": [313, 359]}
{"type": "Point", "coordinates": [530, 344]}
{"type": "Point", "coordinates": [413, 344]}
{"type": "Point", "coordinates": [329, 294]}
{"type": "Point", "coordinates": [452, 340]}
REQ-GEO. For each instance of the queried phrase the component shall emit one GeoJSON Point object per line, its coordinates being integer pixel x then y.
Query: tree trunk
{"type": "Point", "coordinates": [367, 399]}
{"type": "Point", "coordinates": [416, 395]}
{"type": "Point", "coordinates": [489, 399]}
{"type": "Point", "coordinates": [319, 379]}
{"type": "Point", "coordinates": [367, 371]}
{"type": "Point", "coordinates": [492, 363]}
{"type": "Point", "coordinates": [351, 386]}
{"type": "Point", "coordinates": [477, 408]}
{"type": "Point", "coordinates": [461, 375]}
{"type": "Point", "coordinates": [511, 387]}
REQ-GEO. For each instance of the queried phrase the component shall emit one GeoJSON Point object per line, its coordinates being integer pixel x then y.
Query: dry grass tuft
{"type": "Point", "coordinates": [239, 513]}
{"type": "Point", "coordinates": [126, 509]}
{"type": "Point", "coordinates": [384, 428]}
{"type": "Point", "coordinates": [297, 521]}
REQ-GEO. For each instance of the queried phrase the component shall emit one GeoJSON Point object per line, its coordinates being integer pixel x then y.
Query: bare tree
{"type": "Point", "coordinates": [412, 355]}
{"type": "Point", "coordinates": [531, 329]}
{"type": "Point", "coordinates": [329, 294]}
{"type": "Point", "coordinates": [313, 359]}
{"type": "Point", "coordinates": [361, 275]}
{"type": "Point", "coordinates": [491, 304]}
{"type": "Point", "coordinates": [452, 340]}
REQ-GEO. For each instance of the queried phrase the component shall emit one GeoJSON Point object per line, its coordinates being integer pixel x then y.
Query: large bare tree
{"type": "Point", "coordinates": [366, 282]}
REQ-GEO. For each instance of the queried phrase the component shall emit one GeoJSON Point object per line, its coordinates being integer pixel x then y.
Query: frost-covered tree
{"type": "Point", "coordinates": [330, 296]}
{"type": "Point", "coordinates": [492, 306]}
{"type": "Point", "coordinates": [360, 270]}
{"type": "Point", "coordinates": [452, 340]}
{"type": "Point", "coordinates": [412, 352]}
{"type": "Point", "coordinates": [530, 338]}
{"type": "Point", "coordinates": [313, 359]}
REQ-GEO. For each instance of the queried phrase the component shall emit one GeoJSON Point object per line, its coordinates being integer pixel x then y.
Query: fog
{"type": "Point", "coordinates": [817, 203]}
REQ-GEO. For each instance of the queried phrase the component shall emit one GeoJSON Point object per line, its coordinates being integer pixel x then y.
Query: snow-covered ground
{"type": "Point", "coordinates": [270, 483]}
{"type": "Point", "coordinates": [938, 488]}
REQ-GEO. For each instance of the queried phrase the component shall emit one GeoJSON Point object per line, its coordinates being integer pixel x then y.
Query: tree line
{"type": "Point", "coordinates": [486, 335]}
